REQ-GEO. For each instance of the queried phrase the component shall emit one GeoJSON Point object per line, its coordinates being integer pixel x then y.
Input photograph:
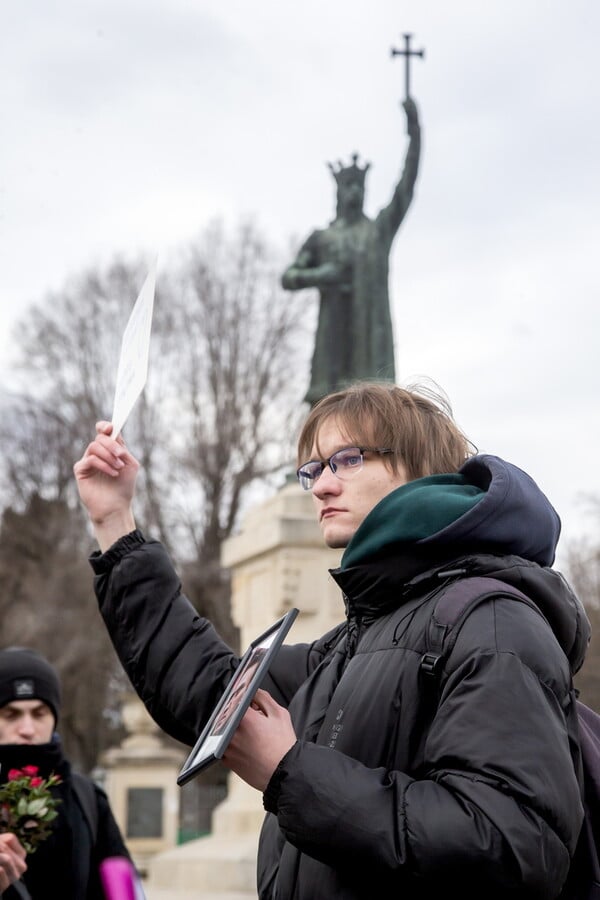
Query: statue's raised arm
{"type": "Point", "coordinates": [391, 216]}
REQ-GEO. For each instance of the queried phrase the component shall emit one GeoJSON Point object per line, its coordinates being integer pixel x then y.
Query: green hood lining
{"type": "Point", "coordinates": [411, 513]}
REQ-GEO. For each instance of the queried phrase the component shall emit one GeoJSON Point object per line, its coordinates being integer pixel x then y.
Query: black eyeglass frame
{"type": "Point", "coordinates": [327, 462]}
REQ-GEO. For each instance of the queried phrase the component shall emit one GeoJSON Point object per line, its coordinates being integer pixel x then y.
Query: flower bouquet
{"type": "Point", "coordinates": [27, 807]}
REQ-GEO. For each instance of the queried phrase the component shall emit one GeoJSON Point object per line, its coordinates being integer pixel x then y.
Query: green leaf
{"type": "Point", "coordinates": [36, 807]}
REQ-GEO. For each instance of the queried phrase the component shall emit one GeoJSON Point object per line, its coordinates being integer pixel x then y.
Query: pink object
{"type": "Point", "coordinates": [120, 879]}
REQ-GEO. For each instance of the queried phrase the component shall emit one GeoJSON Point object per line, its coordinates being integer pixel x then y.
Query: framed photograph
{"type": "Point", "coordinates": [228, 712]}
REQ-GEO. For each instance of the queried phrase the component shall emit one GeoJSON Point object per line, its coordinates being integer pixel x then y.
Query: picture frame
{"type": "Point", "coordinates": [236, 699]}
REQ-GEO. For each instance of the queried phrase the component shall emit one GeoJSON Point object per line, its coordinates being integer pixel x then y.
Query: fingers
{"type": "Point", "coordinates": [12, 842]}
{"type": "Point", "coordinates": [104, 455]}
{"type": "Point", "coordinates": [98, 457]}
{"type": "Point", "coordinates": [12, 860]}
{"type": "Point", "coordinates": [262, 739]}
{"type": "Point", "coordinates": [264, 703]}
{"type": "Point", "coordinates": [106, 428]}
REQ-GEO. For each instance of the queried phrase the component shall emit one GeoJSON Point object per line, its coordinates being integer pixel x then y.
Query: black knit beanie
{"type": "Point", "coordinates": [26, 675]}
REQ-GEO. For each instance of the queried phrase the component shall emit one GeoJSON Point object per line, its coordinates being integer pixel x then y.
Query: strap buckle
{"type": "Point", "coordinates": [430, 663]}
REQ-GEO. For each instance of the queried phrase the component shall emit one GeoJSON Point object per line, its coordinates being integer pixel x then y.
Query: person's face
{"type": "Point", "coordinates": [342, 505]}
{"type": "Point", "coordinates": [26, 722]}
{"type": "Point", "coordinates": [235, 698]}
{"type": "Point", "coordinates": [227, 711]}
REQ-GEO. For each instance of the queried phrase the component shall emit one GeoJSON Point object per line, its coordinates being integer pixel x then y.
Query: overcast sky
{"type": "Point", "coordinates": [127, 126]}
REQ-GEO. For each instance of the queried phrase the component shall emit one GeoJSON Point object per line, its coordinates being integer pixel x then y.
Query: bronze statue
{"type": "Point", "coordinates": [348, 262]}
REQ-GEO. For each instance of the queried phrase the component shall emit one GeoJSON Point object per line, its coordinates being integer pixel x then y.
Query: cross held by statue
{"type": "Point", "coordinates": [407, 53]}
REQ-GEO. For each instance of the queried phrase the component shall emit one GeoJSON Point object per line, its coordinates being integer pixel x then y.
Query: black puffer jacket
{"type": "Point", "coordinates": [385, 795]}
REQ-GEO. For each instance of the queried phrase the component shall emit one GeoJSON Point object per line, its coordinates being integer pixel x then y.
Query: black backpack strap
{"type": "Point", "coordinates": [453, 606]}
{"type": "Point", "coordinates": [85, 793]}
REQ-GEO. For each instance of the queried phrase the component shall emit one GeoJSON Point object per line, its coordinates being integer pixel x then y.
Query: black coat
{"type": "Point", "coordinates": [66, 864]}
{"type": "Point", "coordinates": [409, 801]}
{"type": "Point", "coordinates": [386, 793]}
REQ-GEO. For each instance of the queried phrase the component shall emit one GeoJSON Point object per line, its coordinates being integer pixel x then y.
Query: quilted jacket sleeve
{"type": "Point", "coordinates": [174, 658]}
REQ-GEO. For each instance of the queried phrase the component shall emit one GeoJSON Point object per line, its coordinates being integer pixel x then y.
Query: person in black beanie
{"type": "Point", "coordinates": [66, 864]}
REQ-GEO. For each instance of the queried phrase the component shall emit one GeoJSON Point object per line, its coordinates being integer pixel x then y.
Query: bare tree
{"type": "Point", "coordinates": [66, 352]}
{"type": "Point", "coordinates": [47, 602]}
{"type": "Point", "coordinates": [228, 367]}
{"type": "Point", "coordinates": [239, 378]}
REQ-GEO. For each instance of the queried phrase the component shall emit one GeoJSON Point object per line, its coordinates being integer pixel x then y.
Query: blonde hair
{"type": "Point", "coordinates": [415, 422]}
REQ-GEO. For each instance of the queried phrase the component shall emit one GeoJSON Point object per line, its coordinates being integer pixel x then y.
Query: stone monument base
{"type": "Point", "coordinates": [211, 866]}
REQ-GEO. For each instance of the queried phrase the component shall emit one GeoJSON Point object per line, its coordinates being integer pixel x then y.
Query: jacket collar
{"type": "Point", "coordinates": [383, 584]}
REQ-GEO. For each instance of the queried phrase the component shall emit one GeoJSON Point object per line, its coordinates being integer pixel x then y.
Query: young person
{"type": "Point", "coordinates": [66, 864]}
{"type": "Point", "coordinates": [372, 788]}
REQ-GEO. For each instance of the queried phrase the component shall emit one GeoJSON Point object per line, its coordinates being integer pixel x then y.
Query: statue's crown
{"type": "Point", "coordinates": [353, 174]}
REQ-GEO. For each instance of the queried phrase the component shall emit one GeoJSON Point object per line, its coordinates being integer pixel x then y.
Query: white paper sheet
{"type": "Point", "coordinates": [133, 361]}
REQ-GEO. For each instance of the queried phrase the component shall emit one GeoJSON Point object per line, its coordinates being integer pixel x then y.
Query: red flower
{"type": "Point", "coordinates": [27, 806]}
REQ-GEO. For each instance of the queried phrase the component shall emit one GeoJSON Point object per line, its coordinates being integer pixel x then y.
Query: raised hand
{"type": "Point", "coordinates": [412, 116]}
{"type": "Point", "coordinates": [106, 476]}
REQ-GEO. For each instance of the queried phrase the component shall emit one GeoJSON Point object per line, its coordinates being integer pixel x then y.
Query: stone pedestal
{"type": "Point", "coordinates": [141, 785]}
{"type": "Point", "coordinates": [277, 561]}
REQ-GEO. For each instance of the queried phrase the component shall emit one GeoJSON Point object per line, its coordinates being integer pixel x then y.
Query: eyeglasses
{"type": "Point", "coordinates": [344, 463]}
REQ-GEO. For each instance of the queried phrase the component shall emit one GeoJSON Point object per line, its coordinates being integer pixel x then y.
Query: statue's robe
{"type": "Point", "coordinates": [354, 339]}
